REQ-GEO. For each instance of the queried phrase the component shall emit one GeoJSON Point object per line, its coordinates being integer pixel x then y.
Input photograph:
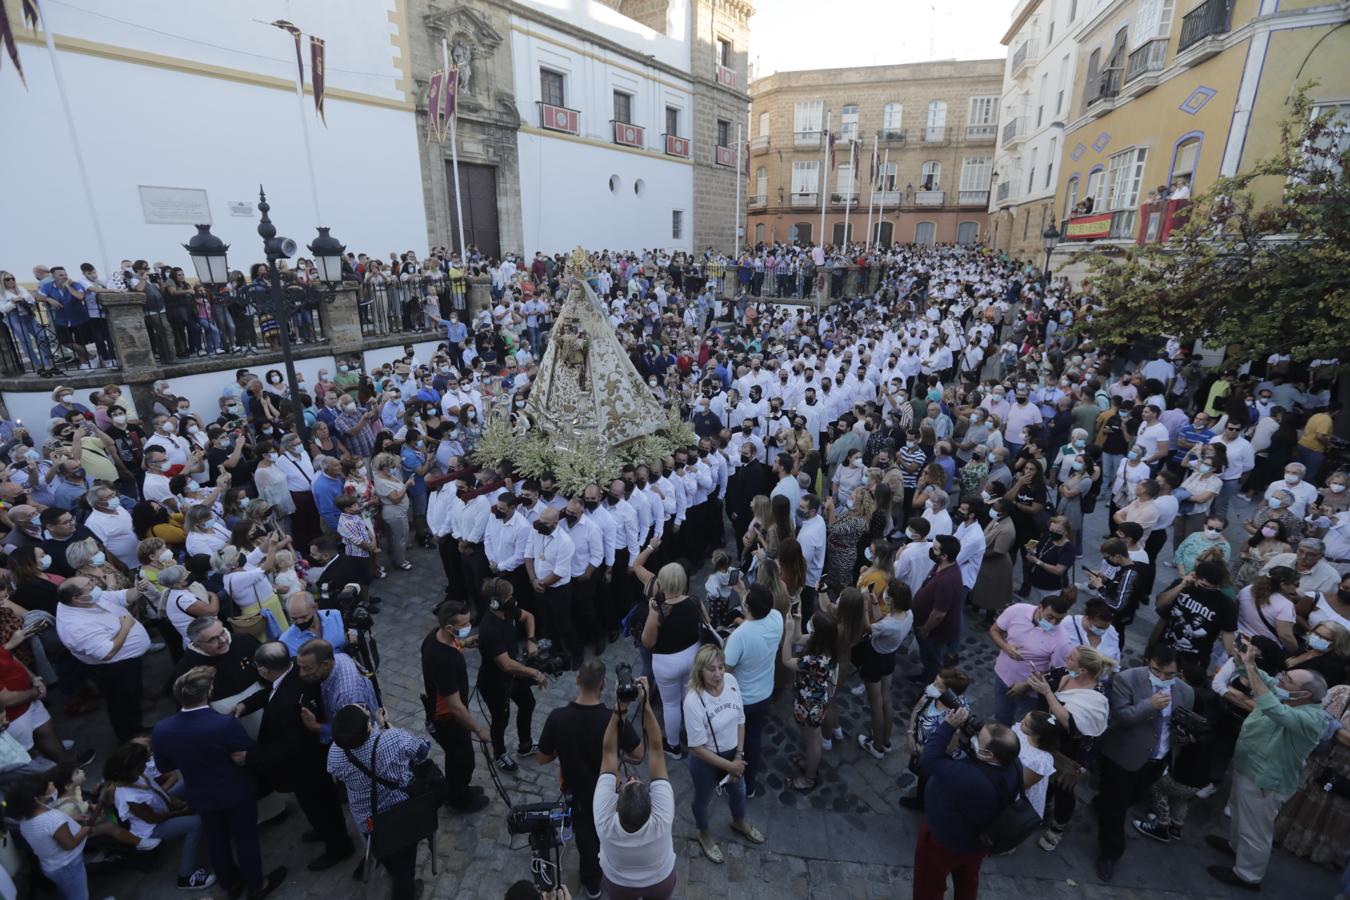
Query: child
{"type": "Point", "coordinates": [358, 540]}
{"type": "Point", "coordinates": [718, 589]}
{"type": "Point", "coordinates": [876, 663]}
{"type": "Point", "coordinates": [928, 713]}
{"type": "Point", "coordinates": [1039, 735]}
{"type": "Point", "coordinates": [69, 784]}
{"type": "Point", "coordinates": [283, 574]}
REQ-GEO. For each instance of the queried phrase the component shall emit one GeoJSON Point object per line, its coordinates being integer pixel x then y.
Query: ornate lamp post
{"type": "Point", "coordinates": [208, 256]}
{"type": "Point", "coordinates": [1050, 240]}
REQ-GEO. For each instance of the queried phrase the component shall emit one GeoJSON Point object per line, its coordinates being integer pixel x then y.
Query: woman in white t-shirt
{"type": "Point", "coordinates": [714, 721]}
{"type": "Point", "coordinates": [182, 603]}
{"type": "Point", "coordinates": [874, 658]}
{"type": "Point", "coordinates": [1266, 607]}
{"type": "Point", "coordinates": [55, 838]}
{"type": "Point", "coordinates": [1038, 734]}
{"type": "Point", "coordinates": [155, 815]}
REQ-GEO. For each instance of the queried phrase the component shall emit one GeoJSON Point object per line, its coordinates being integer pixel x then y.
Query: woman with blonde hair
{"type": "Point", "coordinates": [761, 521]}
{"type": "Point", "coordinates": [671, 633]}
{"type": "Point", "coordinates": [205, 533]}
{"type": "Point", "coordinates": [392, 492]}
{"type": "Point", "coordinates": [20, 311]}
{"type": "Point", "coordinates": [88, 560]}
{"type": "Point", "coordinates": [714, 720]}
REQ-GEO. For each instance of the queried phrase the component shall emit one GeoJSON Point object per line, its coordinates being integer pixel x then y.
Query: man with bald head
{"type": "Point", "coordinates": [309, 622]}
{"type": "Point", "coordinates": [548, 561]}
{"type": "Point", "coordinates": [26, 531]}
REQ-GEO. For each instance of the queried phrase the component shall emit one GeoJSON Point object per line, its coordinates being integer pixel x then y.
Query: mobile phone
{"type": "Point", "coordinates": [1033, 544]}
{"type": "Point", "coordinates": [735, 577]}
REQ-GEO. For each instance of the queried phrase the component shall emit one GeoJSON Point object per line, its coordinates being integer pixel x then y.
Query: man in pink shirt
{"type": "Point", "coordinates": [1027, 637]}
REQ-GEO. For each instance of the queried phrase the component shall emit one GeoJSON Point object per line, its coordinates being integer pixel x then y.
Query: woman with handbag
{"type": "Point", "coordinates": [714, 716]}
{"type": "Point", "coordinates": [251, 590]}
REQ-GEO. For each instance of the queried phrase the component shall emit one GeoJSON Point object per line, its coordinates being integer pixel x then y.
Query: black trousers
{"type": "Point", "coordinates": [233, 832]}
{"type": "Point", "coordinates": [499, 695]}
{"type": "Point", "coordinates": [474, 567]}
{"type": "Point", "coordinates": [319, 801]}
{"type": "Point", "coordinates": [402, 869]}
{"type": "Point", "coordinates": [121, 686]}
{"type": "Point", "coordinates": [1153, 544]}
{"type": "Point", "coordinates": [588, 842]}
{"type": "Point", "coordinates": [584, 615]}
{"type": "Point", "coordinates": [615, 597]}
{"type": "Point", "coordinates": [457, 743]}
{"type": "Point", "coordinates": [453, 566]}
{"type": "Point", "coordinates": [1120, 789]}
{"type": "Point", "coordinates": [522, 589]}
{"type": "Point", "coordinates": [558, 601]}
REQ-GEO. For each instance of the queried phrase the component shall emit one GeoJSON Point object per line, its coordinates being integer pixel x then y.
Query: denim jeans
{"type": "Point", "coordinates": [1009, 710]}
{"type": "Point", "coordinates": [24, 330]}
{"type": "Point", "coordinates": [71, 881]}
{"type": "Point", "coordinates": [1220, 506]}
{"type": "Point", "coordinates": [211, 335]}
{"type": "Point", "coordinates": [705, 777]}
{"type": "Point", "coordinates": [189, 828]}
{"type": "Point", "coordinates": [931, 653]}
{"type": "Point", "coordinates": [755, 715]}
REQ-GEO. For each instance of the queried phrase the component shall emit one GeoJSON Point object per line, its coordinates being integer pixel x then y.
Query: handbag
{"type": "Point", "coordinates": [1014, 822]}
{"type": "Point", "coordinates": [410, 821]}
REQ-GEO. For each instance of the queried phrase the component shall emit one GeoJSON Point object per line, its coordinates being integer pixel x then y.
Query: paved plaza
{"type": "Point", "coordinates": [847, 839]}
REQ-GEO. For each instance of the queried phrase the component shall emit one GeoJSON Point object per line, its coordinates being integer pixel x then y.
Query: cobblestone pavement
{"type": "Point", "coordinates": [847, 839]}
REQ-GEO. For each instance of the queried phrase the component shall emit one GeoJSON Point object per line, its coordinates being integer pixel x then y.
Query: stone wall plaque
{"type": "Point", "coordinates": [174, 206]}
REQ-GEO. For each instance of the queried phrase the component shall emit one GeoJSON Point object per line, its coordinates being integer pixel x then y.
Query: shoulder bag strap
{"type": "Point", "coordinates": [707, 718]}
{"type": "Point", "coordinates": [369, 772]}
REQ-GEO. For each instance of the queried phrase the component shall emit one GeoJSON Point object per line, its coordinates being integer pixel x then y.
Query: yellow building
{"type": "Point", "coordinates": [1175, 93]}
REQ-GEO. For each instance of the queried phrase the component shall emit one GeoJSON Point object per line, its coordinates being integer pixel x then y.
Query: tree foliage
{"type": "Point", "coordinates": [1253, 279]}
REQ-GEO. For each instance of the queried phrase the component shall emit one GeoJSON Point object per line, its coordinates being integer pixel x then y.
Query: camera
{"type": "Point", "coordinates": [531, 818]}
{"type": "Point", "coordinates": [973, 723]}
{"type": "Point", "coordinates": [544, 824]}
{"type": "Point", "coordinates": [547, 661]}
{"type": "Point", "coordinates": [625, 687]}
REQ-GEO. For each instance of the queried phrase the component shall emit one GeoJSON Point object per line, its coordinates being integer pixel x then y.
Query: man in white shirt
{"type": "Point", "coordinates": [506, 539]}
{"type": "Point", "coordinates": [787, 485]}
{"type": "Point", "coordinates": [1153, 437]}
{"type": "Point", "coordinates": [548, 560]}
{"type": "Point", "coordinates": [99, 629]}
{"type": "Point", "coordinates": [1303, 492]}
{"type": "Point", "coordinates": [111, 524]}
{"type": "Point", "coordinates": [971, 535]}
{"type": "Point", "coordinates": [588, 556]}
{"type": "Point", "coordinates": [1241, 460]}
{"type": "Point", "coordinates": [935, 512]}
{"type": "Point", "coordinates": [156, 484]}
{"type": "Point", "coordinates": [295, 464]}
{"type": "Point", "coordinates": [811, 535]}
{"type": "Point", "coordinates": [912, 563]}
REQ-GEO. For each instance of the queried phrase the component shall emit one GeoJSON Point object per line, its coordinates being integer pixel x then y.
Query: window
{"type": "Point", "coordinates": [1050, 162]}
{"type": "Point", "coordinates": [1336, 138]}
{"type": "Point", "coordinates": [930, 176]}
{"type": "Point", "coordinates": [1124, 175]}
{"type": "Point", "coordinates": [1026, 225]}
{"type": "Point", "coordinates": [976, 172]}
{"type": "Point", "coordinates": [937, 121]}
{"type": "Point", "coordinates": [677, 224]}
{"type": "Point", "coordinates": [723, 133]}
{"type": "Point", "coordinates": [800, 233]}
{"type": "Point", "coordinates": [763, 124]}
{"type": "Point", "coordinates": [1187, 154]}
{"type": "Point", "coordinates": [1153, 20]}
{"type": "Point", "coordinates": [983, 110]}
{"type": "Point", "coordinates": [761, 182]}
{"type": "Point", "coordinates": [848, 123]}
{"type": "Point", "coordinates": [806, 177]}
{"type": "Point", "coordinates": [1070, 196]}
{"type": "Point", "coordinates": [1031, 174]}
{"type": "Point", "coordinates": [1092, 84]}
{"type": "Point", "coordinates": [925, 233]}
{"type": "Point", "coordinates": [843, 181]}
{"type": "Point", "coordinates": [672, 120]}
{"type": "Point", "coordinates": [1050, 37]}
{"type": "Point", "coordinates": [551, 88]}
{"type": "Point", "coordinates": [841, 236]}
{"type": "Point", "coordinates": [1096, 180]}
{"type": "Point", "coordinates": [891, 117]}
{"type": "Point", "coordinates": [759, 233]}
{"type": "Point", "coordinates": [724, 52]}
{"type": "Point", "coordinates": [888, 176]}
{"type": "Point", "coordinates": [623, 107]}
{"type": "Point", "coordinates": [808, 115]}
{"type": "Point", "coordinates": [967, 232]}
{"type": "Point", "coordinates": [1063, 79]}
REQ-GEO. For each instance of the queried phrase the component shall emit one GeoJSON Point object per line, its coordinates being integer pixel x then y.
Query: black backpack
{"type": "Point", "coordinates": [1014, 822]}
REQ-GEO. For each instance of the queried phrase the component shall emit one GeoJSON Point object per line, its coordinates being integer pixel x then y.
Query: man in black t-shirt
{"type": "Point", "coordinates": [445, 678]}
{"type": "Point", "coordinates": [502, 678]}
{"type": "Point", "coordinates": [574, 735]}
{"type": "Point", "coordinates": [1194, 613]}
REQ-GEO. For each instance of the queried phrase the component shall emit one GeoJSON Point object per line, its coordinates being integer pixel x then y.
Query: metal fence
{"type": "Point", "coordinates": [34, 343]}
{"type": "Point", "coordinates": [409, 303]}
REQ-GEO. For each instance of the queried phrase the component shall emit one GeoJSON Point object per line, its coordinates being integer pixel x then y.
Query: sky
{"type": "Point", "coordinates": [824, 34]}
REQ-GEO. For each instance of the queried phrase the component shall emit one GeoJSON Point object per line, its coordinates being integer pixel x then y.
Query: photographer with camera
{"type": "Point", "coordinates": [503, 678]}
{"type": "Point", "coordinates": [634, 819]}
{"type": "Point", "coordinates": [445, 678]}
{"type": "Point", "coordinates": [574, 735]}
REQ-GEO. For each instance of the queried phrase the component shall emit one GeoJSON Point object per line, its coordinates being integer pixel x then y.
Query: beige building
{"type": "Point", "coordinates": [934, 127]}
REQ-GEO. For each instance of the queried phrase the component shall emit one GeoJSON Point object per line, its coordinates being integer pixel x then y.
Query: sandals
{"type": "Point", "coordinates": [712, 851]}
{"type": "Point", "coordinates": [750, 833]}
{"type": "Point", "coordinates": [799, 761]}
{"type": "Point", "coordinates": [803, 784]}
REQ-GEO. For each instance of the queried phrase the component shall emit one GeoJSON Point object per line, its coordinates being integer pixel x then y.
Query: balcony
{"type": "Point", "coordinates": [981, 134]}
{"type": "Point", "coordinates": [891, 136]}
{"type": "Point", "coordinates": [1103, 88]}
{"type": "Point", "coordinates": [1023, 57]}
{"type": "Point", "coordinates": [1122, 224]}
{"type": "Point", "coordinates": [629, 135]}
{"type": "Point", "coordinates": [806, 140]}
{"type": "Point", "coordinates": [1208, 20]}
{"type": "Point", "coordinates": [849, 198]}
{"type": "Point", "coordinates": [972, 198]}
{"type": "Point", "coordinates": [726, 77]}
{"type": "Point", "coordinates": [758, 200]}
{"type": "Point", "coordinates": [935, 134]}
{"type": "Point", "coordinates": [1004, 189]}
{"type": "Point", "coordinates": [1144, 67]}
{"type": "Point", "coordinates": [809, 199]}
{"type": "Point", "coordinates": [929, 198]}
{"type": "Point", "coordinates": [726, 156]}
{"type": "Point", "coordinates": [676, 145]}
{"type": "Point", "coordinates": [888, 198]}
{"type": "Point", "coordinates": [1014, 132]}
{"type": "Point", "coordinates": [759, 143]}
{"type": "Point", "coordinates": [559, 118]}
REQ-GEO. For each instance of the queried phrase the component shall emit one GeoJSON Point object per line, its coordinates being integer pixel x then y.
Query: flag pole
{"type": "Point", "coordinates": [75, 143]}
{"type": "Point", "coordinates": [739, 140]}
{"type": "Point", "coordinates": [881, 201]}
{"type": "Point", "coordinates": [871, 191]}
{"type": "Point", "coordinates": [824, 184]}
{"type": "Point", "coordinates": [852, 183]}
{"type": "Point", "coordinates": [454, 158]}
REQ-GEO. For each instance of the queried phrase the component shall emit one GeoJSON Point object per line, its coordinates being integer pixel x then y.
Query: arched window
{"type": "Point", "coordinates": [937, 121]}
{"type": "Point", "coordinates": [1070, 196]}
{"type": "Point", "coordinates": [925, 233]}
{"type": "Point", "coordinates": [930, 176]}
{"type": "Point", "coordinates": [891, 117]}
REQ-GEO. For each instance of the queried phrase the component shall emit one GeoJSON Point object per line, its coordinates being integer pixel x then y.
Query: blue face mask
{"type": "Point", "coordinates": [1280, 692]}
{"type": "Point", "coordinates": [464, 632]}
{"type": "Point", "coordinates": [1099, 632]}
{"type": "Point", "coordinates": [1160, 683]}
{"type": "Point", "coordinates": [1132, 455]}
{"type": "Point", "coordinates": [1319, 643]}
{"type": "Point", "coordinates": [95, 593]}
{"type": "Point", "coordinates": [1047, 625]}
{"type": "Point", "coordinates": [975, 744]}
{"type": "Point", "coordinates": [1275, 503]}
{"type": "Point", "coordinates": [1073, 673]}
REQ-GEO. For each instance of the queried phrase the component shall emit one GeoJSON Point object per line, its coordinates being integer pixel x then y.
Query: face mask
{"type": "Point", "coordinates": [1073, 673]}
{"type": "Point", "coordinates": [1080, 444]}
{"type": "Point", "coordinates": [986, 497]}
{"type": "Point", "coordinates": [1212, 533]}
{"type": "Point", "coordinates": [236, 410]}
{"type": "Point", "coordinates": [1204, 468]}
{"type": "Point", "coordinates": [464, 632]}
{"type": "Point", "coordinates": [95, 593]}
{"type": "Point", "coordinates": [166, 428]}
{"type": "Point", "coordinates": [932, 692]}
{"type": "Point", "coordinates": [1337, 488]}
{"type": "Point", "coordinates": [361, 472]}
{"type": "Point", "coordinates": [45, 563]}
{"type": "Point", "coordinates": [591, 505]}
{"type": "Point", "coordinates": [1269, 532]}
{"type": "Point", "coordinates": [1099, 632]}
{"type": "Point", "coordinates": [1047, 625]}
{"type": "Point", "coordinates": [1318, 643]}
{"type": "Point", "coordinates": [1160, 683]}
{"type": "Point", "coordinates": [1079, 466]}
{"type": "Point", "coordinates": [271, 457]}
{"type": "Point", "coordinates": [1132, 455]}
{"type": "Point", "coordinates": [543, 529]}
{"type": "Point", "coordinates": [119, 421]}
{"type": "Point", "coordinates": [1280, 692]}
{"type": "Point", "coordinates": [193, 429]}
{"type": "Point", "coordinates": [1275, 503]}
{"type": "Point", "coordinates": [98, 559]}
{"type": "Point", "coordinates": [65, 398]}
{"type": "Point", "coordinates": [244, 502]}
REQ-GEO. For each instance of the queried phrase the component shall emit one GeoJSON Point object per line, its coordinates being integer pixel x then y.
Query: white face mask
{"type": "Point", "coordinates": [1337, 488]}
{"type": "Point", "coordinates": [1291, 479]}
{"type": "Point", "coordinates": [1212, 533]}
{"type": "Point", "coordinates": [166, 556]}
{"type": "Point", "coordinates": [98, 558]}
{"type": "Point", "coordinates": [119, 420]}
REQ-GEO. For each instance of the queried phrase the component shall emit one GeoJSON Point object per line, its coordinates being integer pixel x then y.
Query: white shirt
{"type": "Point", "coordinates": [588, 545]}
{"type": "Point", "coordinates": [1303, 493]}
{"type": "Point", "coordinates": [177, 602]}
{"type": "Point", "coordinates": [812, 538]}
{"type": "Point", "coordinates": [156, 487]}
{"type": "Point", "coordinates": [299, 472]}
{"type": "Point", "coordinates": [912, 564]}
{"type": "Point", "coordinates": [1150, 436]}
{"type": "Point", "coordinates": [646, 856]}
{"type": "Point", "coordinates": [38, 832]}
{"type": "Point", "coordinates": [88, 632]}
{"type": "Point", "coordinates": [1167, 507]}
{"type": "Point", "coordinates": [114, 531]}
{"type": "Point", "coordinates": [714, 722]}
{"type": "Point", "coordinates": [442, 507]}
{"type": "Point", "coordinates": [505, 543]}
{"type": "Point", "coordinates": [972, 552]}
{"type": "Point", "coordinates": [626, 529]}
{"type": "Point", "coordinates": [552, 555]}
{"type": "Point", "coordinates": [941, 522]}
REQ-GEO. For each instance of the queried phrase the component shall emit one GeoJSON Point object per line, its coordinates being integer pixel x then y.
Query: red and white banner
{"type": "Point", "coordinates": [677, 146]}
{"type": "Point", "coordinates": [449, 99]}
{"type": "Point", "coordinates": [560, 118]}
{"type": "Point", "coordinates": [629, 135]}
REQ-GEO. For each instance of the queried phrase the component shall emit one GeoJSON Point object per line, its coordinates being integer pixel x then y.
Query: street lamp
{"type": "Point", "coordinates": [208, 255]}
{"type": "Point", "coordinates": [1050, 239]}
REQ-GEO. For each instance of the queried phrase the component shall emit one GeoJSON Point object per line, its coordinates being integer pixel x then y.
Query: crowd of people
{"type": "Point", "coordinates": [912, 464]}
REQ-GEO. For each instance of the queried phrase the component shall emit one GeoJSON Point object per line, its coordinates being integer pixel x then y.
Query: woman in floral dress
{"type": "Point", "coordinates": [812, 686]}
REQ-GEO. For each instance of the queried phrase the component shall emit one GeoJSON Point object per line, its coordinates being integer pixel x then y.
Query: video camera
{"type": "Point", "coordinates": [547, 661]}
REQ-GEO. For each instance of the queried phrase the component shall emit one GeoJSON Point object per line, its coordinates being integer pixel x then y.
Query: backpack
{"type": "Point", "coordinates": [1014, 822]}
